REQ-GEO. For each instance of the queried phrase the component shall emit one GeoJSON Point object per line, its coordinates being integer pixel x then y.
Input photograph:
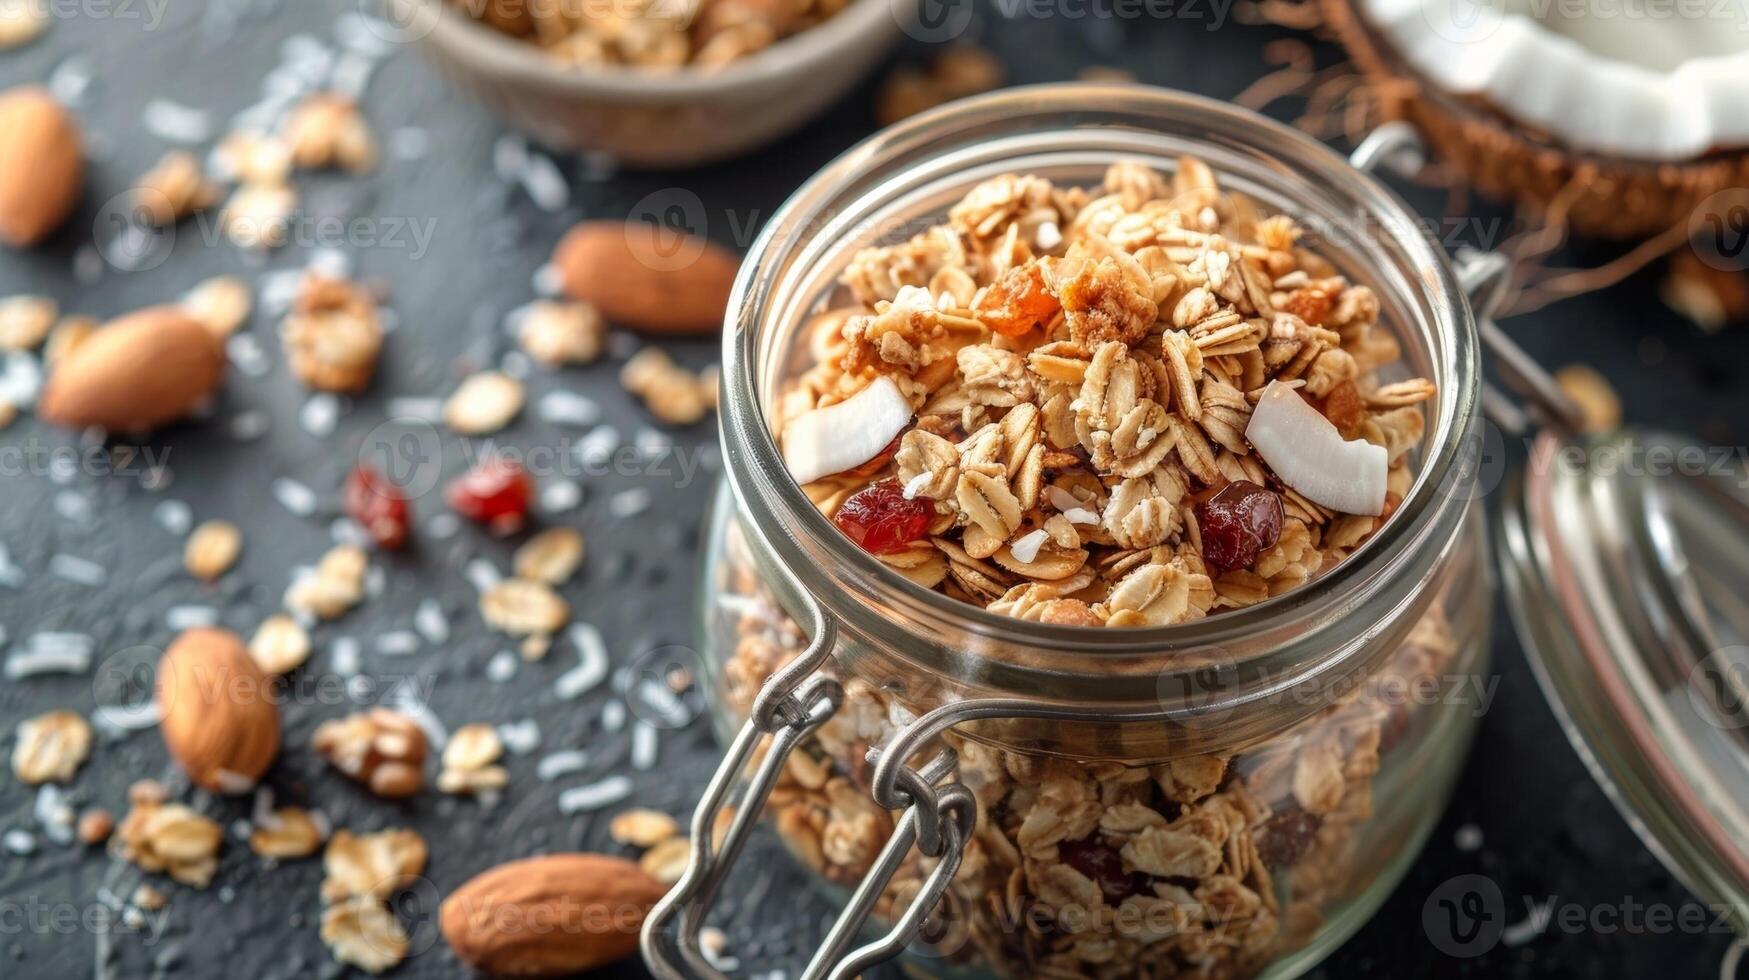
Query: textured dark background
{"type": "Point", "coordinates": [1529, 818]}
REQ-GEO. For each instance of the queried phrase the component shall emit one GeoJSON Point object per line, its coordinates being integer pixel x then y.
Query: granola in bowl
{"type": "Point", "coordinates": [658, 35]}
{"type": "Point", "coordinates": [1133, 405]}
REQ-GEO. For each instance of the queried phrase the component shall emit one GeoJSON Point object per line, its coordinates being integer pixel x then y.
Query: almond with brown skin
{"type": "Point", "coordinates": [217, 710]}
{"type": "Point", "coordinates": [135, 373]}
{"type": "Point", "coordinates": [549, 916]}
{"type": "Point", "coordinates": [42, 165]}
{"type": "Point", "coordinates": [647, 277]}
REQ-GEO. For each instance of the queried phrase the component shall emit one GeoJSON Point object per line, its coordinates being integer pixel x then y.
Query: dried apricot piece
{"type": "Point", "coordinates": [1017, 302]}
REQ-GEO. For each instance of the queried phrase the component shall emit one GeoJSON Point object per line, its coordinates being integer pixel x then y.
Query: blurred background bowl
{"type": "Point", "coordinates": [657, 119]}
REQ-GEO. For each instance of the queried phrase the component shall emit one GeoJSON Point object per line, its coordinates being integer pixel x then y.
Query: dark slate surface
{"type": "Point", "coordinates": [1529, 818]}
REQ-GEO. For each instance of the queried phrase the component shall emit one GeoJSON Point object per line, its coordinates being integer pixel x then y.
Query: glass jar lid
{"type": "Point", "coordinates": [1625, 559]}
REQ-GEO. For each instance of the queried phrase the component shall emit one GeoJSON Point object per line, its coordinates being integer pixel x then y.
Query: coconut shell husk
{"type": "Point", "coordinates": [1590, 194]}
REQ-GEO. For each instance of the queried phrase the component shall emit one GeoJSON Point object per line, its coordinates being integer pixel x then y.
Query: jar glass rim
{"type": "Point", "coordinates": [755, 464]}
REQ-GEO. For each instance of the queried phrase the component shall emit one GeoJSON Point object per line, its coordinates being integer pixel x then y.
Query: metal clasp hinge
{"type": "Point", "coordinates": [1485, 278]}
{"type": "Point", "coordinates": [791, 706]}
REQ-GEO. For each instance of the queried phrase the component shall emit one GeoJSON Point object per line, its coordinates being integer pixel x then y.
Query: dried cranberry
{"type": "Point", "coordinates": [1237, 524]}
{"type": "Point", "coordinates": [378, 506]}
{"type": "Point", "coordinates": [881, 520]}
{"type": "Point", "coordinates": [495, 493]}
{"type": "Point", "coordinates": [1100, 862]}
{"type": "Point", "coordinates": [1283, 838]}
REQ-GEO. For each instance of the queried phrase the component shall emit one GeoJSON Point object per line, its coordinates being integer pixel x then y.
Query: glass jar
{"type": "Point", "coordinates": [1296, 752]}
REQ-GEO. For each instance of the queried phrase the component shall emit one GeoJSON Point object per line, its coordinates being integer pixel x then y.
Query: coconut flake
{"type": "Point", "coordinates": [592, 664]}
{"type": "Point", "coordinates": [1025, 548]}
{"type": "Point", "coordinates": [1309, 454]}
{"type": "Point", "coordinates": [846, 435]}
{"type": "Point", "coordinates": [594, 796]}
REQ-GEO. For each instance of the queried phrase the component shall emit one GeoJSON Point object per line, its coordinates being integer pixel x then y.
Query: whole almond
{"type": "Point", "coordinates": [136, 372]}
{"type": "Point", "coordinates": [646, 276]}
{"type": "Point", "coordinates": [42, 165]}
{"type": "Point", "coordinates": [549, 916]}
{"type": "Point", "coordinates": [217, 710]}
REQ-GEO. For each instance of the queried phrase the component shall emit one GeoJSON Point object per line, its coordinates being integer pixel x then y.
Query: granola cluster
{"type": "Point", "coordinates": [1209, 865]}
{"type": "Point", "coordinates": [651, 34]}
{"type": "Point", "coordinates": [1083, 366]}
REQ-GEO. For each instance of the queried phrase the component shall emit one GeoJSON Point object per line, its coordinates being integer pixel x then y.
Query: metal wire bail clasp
{"type": "Point", "coordinates": [794, 703]}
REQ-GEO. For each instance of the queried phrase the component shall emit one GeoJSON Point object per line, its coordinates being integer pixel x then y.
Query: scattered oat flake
{"type": "Point", "coordinates": [212, 549]}
{"type": "Point", "coordinates": [551, 556]}
{"type": "Point", "coordinates": [520, 607]}
{"type": "Point", "coordinates": [484, 403]}
{"type": "Point", "coordinates": [667, 861]}
{"type": "Point", "coordinates": [221, 304]}
{"type": "Point", "coordinates": [643, 827]}
{"type": "Point", "coordinates": [50, 747]}
{"type": "Point", "coordinates": [594, 796]}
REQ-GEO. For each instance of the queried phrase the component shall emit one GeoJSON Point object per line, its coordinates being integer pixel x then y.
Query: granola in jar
{"type": "Point", "coordinates": [1135, 405]}
{"type": "Point", "coordinates": [1139, 404]}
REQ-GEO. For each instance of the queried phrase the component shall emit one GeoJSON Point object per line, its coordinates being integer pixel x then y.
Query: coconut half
{"type": "Point", "coordinates": [1644, 115]}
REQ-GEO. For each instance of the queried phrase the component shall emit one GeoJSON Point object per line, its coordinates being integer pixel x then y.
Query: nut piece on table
{"type": "Point", "coordinates": [290, 832]}
{"type": "Point", "coordinates": [173, 189]}
{"type": "Point", "coordinates": [21, 22]}
{"type": "Point", "coordinates": [484, 403]}
{"type": "Point", "coordinates": [383, 750]}
{"type": "Point", "coordinates": [607, 897]}
{"type": "Point", "coordinates": [258, 216]}
{"type": "Point", "coordinates": [327, 130]}
{"type": "Point", "coordinates": [647, 277]}
{"type": "Point", "coordinates": [42, 165]}
{"type": "Point", "coordinates": [217, 710]}
{"type": "Point", "coordinates": [100, 382]}
{"type": "Point", "coordinates": [672, 393]}
{"type": "Point", "coordinates": [251, 158]}
{"type": "Point", "coordinates": [172, 839]}
{"type": "Point", "coordinates": [50, 748]}
{"type": "Point", "coordinates": [551, 556]}
{"type": "Point", "coordinates": [959, 71]}
{"type": "Point", "coordinates": [643, 827]}
{"type": "Point", "coordinates": [95, 826]}
{"type": "Point", "coordinates": [333, 335]}
{"type": "Point", "coordinates": [557, 334]}
{"type": "Point", "coordinates": [221, 304]}
{"type": "Point", "coordinates": [470, 761]}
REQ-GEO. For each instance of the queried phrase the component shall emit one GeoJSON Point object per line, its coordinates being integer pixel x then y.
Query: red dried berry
{"type": "Point", "coordinates": [495, 493]}
{"type": "Point", "coordinates": [378, 505]}
{"type": "Point", "coordinates": [881, 520]}
{"type": "Point", "coordinates": [1101, 863]}
{"type": "Point", "coordinates": [1238, 524]}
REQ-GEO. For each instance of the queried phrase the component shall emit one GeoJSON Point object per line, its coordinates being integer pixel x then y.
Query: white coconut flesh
{"type": "Point", "coordinates": [1605, 78]}
{"type": "Point", "coordinates": [845, 435]}
{"type": "Point", "coordinates": [1309, 454]}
